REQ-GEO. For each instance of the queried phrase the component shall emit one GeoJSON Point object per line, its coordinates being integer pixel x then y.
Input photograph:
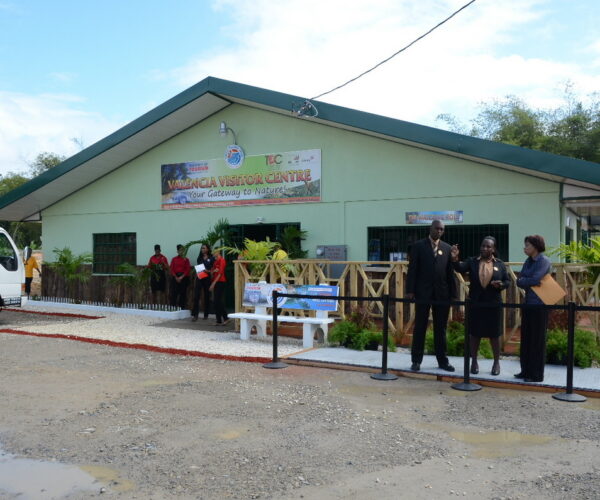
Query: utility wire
{"type": "Point", "coordinates": [396, 53]}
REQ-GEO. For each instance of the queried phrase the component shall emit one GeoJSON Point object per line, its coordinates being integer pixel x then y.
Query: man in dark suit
{"type": "Point", "coordinates": [430, 278]}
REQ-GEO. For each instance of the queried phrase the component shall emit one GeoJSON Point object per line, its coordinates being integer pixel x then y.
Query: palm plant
{"type": "Point", "coordinates": [221, 231]}
{"type": "Point", "coordinates": [576, 251]}
{"type": "Point", "coordinates": [291, 238]}
{"type": "Point", "coordinates": [254, 250]}
{"type": "Point", "coordinates": [132, 278]}
{"type": "Point", "coordinates": [70, 267]}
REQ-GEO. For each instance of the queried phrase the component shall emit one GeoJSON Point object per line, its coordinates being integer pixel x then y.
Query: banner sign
{"type": "Point", "coordinates": [292, 177]}
{"type": "Point", "coordinates": [447, 217]}
{"type": "Point", "coordinates": [261, 294]}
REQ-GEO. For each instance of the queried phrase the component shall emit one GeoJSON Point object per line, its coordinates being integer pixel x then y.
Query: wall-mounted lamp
{"type": "Point", "coordinates": [223, 129]}
{"type": "Point", "coordinates": [260, 220]}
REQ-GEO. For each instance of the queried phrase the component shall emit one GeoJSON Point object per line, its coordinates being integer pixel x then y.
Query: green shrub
{"type": "Point", "coordinates": [343, 332]}
{"type": "Point", "coordinates": [455, 342]}
{"type": "Point", "coordinates": [585, 350]}
{"type": "Point", "coordinates": [350, 334]}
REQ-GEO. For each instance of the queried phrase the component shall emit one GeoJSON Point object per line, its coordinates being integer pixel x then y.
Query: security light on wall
{"type": "Point", "coordinates": [223, 129]}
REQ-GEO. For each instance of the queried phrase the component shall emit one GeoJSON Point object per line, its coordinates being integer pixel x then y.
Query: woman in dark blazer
{"type": "Point", "coordinates": [202, 285]}
{"type": "Point", "coordinates": [488, 277]}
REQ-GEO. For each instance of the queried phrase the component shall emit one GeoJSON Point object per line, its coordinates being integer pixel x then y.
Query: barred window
{"type": "Point", "coordinates": [394, 242]}
{"type": "Point", "coordinates": [112, 249]}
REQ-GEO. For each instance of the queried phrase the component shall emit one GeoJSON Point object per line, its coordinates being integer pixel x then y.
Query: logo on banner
{"type": "Point", "coordinates": [234, 156]}
{"type": "Point", "coordinates": [280, 300]}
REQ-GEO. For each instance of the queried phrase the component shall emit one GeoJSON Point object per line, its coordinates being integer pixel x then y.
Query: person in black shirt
{"type": "Point", "coordinates": [202, 283]}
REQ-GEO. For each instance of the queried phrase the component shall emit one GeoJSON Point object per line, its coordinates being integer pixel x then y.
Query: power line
{"type": "Point", "coordinates": [396, 53]}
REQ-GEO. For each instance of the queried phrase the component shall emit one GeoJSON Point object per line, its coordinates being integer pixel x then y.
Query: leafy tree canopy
{"type": "Point", "coordinates": [44, 161]}
{"type": "Point", "coordinates": [27, 233]}
{"type": "Point", "coordinates": [572, 129]}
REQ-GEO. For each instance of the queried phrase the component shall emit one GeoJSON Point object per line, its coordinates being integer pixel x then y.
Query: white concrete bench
{"type": "Point", "coordinates": [258, 319]}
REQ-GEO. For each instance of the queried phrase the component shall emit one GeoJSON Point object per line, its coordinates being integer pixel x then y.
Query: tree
{"type": "Point", "coordinates": [10, 181]}
{"type": "Point", "coordinates": [572, 129]}
{"type": "Point", "coordinates": [27, 233]}
{"type": "Point", "coordinates": [44, 161]}
{"type": "Point", "coordinates": [71, 268]}
{"type": "Point", "coordinates": [23, 233]}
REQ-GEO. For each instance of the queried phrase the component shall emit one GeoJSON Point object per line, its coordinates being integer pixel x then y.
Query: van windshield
{"type": "Point", "coordinates": [8, 256]}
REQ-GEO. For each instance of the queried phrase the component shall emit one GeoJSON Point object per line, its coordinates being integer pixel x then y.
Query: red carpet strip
{"type": "Point", "coordinates": [67, 315]}
{"type": "Point", "coordinates": [145, 347]}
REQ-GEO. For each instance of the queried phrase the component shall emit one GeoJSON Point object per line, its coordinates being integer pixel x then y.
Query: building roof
{"type": "Point", "coordinates": [211, 95]}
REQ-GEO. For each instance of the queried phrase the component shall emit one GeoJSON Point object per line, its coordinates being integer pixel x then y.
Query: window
{"type": "Point", "coordinates": [112, 249]}
{"type": "Point", "coordinates": [393, 243]}
{"type": "Point", "coordinates": [8, 257]}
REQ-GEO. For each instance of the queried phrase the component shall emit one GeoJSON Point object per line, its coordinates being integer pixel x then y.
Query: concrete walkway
{"type": "Point", "coordinates": [199, 337]}
{"type": "Point", "coordinates": [555, 376]}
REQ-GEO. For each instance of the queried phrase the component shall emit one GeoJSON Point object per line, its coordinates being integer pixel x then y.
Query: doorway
{"type": "Point", "coordinates": [256, 232]}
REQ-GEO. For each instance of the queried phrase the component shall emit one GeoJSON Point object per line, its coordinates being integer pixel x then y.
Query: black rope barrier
{"type": "Point", "coordinates": [384, 375]}
{"type": "Point", "coordinates": [275, 364]}
{"type": "Point", "coordinates": [466, 384]}
{"type": "Point", "coordinates": [569, 396]}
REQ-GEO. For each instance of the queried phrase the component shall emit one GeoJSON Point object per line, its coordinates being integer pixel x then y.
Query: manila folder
{"type": "Point", "coordinates": [549, 290]}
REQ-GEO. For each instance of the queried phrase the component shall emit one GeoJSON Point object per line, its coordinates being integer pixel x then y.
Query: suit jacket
{"type": "Point", "coordinates": [476, 292]}
{"type": "Point", "coordinates": [430, 277]}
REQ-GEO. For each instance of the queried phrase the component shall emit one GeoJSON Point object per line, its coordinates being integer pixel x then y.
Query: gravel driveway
{"type": "Point", "coordinates": [154, 426]}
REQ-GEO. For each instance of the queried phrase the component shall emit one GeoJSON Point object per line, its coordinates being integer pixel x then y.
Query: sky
{"type": "Point", "coordinates": [72, 71]}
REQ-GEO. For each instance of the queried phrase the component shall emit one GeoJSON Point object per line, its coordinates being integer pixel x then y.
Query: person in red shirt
{"type": "Point", "coordinates": [217, 286]}
{"type": "Point", "coordinates": [180, 272]}
{"type": "Point", "coordinates": [158, 279]}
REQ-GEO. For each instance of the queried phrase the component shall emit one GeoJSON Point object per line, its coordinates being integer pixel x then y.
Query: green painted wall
{"type": "Point", "coordinates": [365, 182]}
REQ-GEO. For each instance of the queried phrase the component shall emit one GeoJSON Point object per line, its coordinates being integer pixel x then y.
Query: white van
{"type": "Point", "coordinates": [12, 271]}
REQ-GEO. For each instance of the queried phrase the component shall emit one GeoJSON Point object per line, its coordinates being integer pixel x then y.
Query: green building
{"type": "Point", "coordinates": [364, 182]}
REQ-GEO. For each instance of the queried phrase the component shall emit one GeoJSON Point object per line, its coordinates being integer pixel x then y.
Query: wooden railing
{"type": "Point", "coordinates": [374, 279]}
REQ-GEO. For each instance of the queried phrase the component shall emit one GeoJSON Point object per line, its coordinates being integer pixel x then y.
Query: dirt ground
{"type": "Point", "coordinates": [156, 426]}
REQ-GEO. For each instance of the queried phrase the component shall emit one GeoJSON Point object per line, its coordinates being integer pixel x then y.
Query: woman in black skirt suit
{"type": "Point", "coordinates": [488, 277]}
{"type": "Point", "coordinates": [202, 284]}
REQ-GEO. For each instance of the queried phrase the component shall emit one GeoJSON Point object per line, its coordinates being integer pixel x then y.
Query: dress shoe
{"type": "Point", "coordinates": [415, 367]}
{"type": "Point", "coordinates": [495, 370]}
{"type": "Point", "coordinates": [447, 367]}
{"type": "Point", "coordinates": [194, 318]}
{"type": "Point", "coordinates": [519, 375]}
{"type": "Point", "coordinates": [474, 369]}
{"type": "Point", "coordinates": [534, 380]}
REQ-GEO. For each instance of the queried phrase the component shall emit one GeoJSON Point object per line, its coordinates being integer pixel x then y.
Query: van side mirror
{"type": "Point", "coordinates": [26, 254]}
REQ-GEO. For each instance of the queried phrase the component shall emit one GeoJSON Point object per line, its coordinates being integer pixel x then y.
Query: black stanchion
{"type": "Point", "coordinates": [384, 375]}
{"type": "Point", "coordinates": [569, 396]}
{"type": "Point", "coordinates": [466, 384]}
{"type": "Point", "coordinates": [275, 364]}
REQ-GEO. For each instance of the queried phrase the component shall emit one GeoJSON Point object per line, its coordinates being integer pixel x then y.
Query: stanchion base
{"type": "Point", "coordinates": [274, 365]}
{"type": "Point", "coordinates": [571, 398]}
{"type": "Point", "coordinates": [462, 386]}
{"type": "Point", "coordinates": [384, 376]}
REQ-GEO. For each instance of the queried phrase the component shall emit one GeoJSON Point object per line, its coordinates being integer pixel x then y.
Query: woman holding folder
{"type": "Point", "coordinates": [534, 321]}
{"type": "Point", "coordinates": [202, 283]}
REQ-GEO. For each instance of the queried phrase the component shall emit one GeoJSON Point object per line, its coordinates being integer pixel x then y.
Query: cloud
{"type": "Point", "coordinates": [32, 124]}
{"type": "Point", "coordinates": [62, 77]}
{"type": "Point", "coordinates": [307, 47]}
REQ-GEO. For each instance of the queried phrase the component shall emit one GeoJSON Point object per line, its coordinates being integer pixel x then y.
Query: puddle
{"type": "Point", "coordinates": [494, 444]}
{"type": "Point", "coordinates": [232, 433]}
{"type": "Point", "coordinates": [592, 404]}
{"type": "Point", "coordinates": [109, 477]}
{"type": "Point", "coordinates": [30, 479]}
